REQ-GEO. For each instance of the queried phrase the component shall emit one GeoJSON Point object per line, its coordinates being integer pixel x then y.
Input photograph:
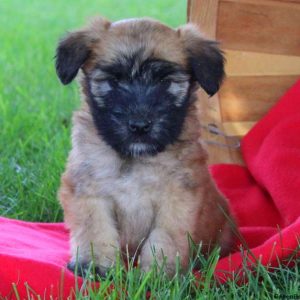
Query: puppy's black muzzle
{"type": "Point", "coordinates": [139, 126]}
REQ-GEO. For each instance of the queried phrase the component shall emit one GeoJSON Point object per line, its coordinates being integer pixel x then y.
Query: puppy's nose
{"type": "Point", "coordinates": [139, 126]}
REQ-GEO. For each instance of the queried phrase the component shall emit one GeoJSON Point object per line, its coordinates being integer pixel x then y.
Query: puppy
{"type": "Point", "coordinates": [136, 176]}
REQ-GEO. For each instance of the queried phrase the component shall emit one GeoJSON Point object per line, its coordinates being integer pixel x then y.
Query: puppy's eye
{"type": "Point", "coordinates": [117, 113]}
{"type": "Point", "coordinates": [165, 81]}
{"type": "Point", "coordinates": [113, 81]}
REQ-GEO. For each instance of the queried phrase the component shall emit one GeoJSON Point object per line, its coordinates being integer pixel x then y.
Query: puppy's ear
{"type": "Point", "coordinates": [76, 47]}
{"type": "Point", "coordinates": [71, 53]}
{"type": "Point", "coordinates": [204, 57]}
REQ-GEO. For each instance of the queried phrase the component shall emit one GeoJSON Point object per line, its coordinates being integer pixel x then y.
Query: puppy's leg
{"type": "Point", "coordinates": [94, 236]}
{"type": "Point", "coordinates": [169, 238]}
{"type": "Point", "coordinates": [159, 247]}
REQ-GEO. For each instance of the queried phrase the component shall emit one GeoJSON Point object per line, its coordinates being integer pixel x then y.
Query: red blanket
{"type": "Point", "coordinates": [263, 197]}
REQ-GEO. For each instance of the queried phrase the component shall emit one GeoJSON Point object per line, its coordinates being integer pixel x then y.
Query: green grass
{"type": "Point", "coordinates": [35, 113]}
{"type": "Point", "coordinates": [35, 109]}
{"type": "Point", "coordinates": [131, 283]}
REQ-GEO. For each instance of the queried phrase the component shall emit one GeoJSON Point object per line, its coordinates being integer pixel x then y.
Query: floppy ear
{"type": "Point", "coordinates": [205, 58]}
{"type": "Point", "coordinates": [71, 53]}
{"type": "Point", "coordinates": [75, 48]}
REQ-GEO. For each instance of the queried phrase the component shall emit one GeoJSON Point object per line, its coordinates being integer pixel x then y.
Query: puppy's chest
{"type": "Point", "coordinates": [138, 191]}
{"type": "Point", "coordinates": [136, 197]}
{"type": "Point", "coordinates": [136, 185]}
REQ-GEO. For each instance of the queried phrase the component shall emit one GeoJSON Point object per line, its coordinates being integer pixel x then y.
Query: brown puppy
{"type": "Point", "coordinates": [137, 176]}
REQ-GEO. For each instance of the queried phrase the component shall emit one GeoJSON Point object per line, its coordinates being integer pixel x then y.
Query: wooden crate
{"type": "Point", "coordinates": [261, 39]}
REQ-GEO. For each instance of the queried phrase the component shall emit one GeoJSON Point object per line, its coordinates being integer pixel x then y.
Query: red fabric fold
{"type": "Point", "coordinates": [33, 256]}
{"type": "Point", "coordinates": [264, 198]}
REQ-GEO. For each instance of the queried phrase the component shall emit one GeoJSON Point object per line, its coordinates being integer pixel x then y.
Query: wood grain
{"type": "Point", "coordinates": [237, 128]}
{"type": "Point", "coordinates": [244, 63]}
{"type": "Point", "coordinates": [253, 26]}
{"type": "Point", "coordinates": [204, 14]}
{"type": "Point", "coordinates": [188, 10]}
{"type": "Point", "coordinates": [236, 157]}
{"type": "Point", "coordinates": [250, 98]}
{"type": "Point", "coordinates": [279, 3]}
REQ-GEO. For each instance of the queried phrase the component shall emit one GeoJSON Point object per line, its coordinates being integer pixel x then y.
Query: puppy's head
{"type": "Point", "coordinates": [137, 76]}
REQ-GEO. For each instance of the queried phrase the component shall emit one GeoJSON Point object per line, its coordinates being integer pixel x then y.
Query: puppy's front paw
{"type": "Point", "coordinates": [160, 250]}
{"type": "Point", "coordinates": [84, 269]}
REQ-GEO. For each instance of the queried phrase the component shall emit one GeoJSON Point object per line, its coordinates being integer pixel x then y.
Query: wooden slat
{"type": "Point", "coordinates": [188, 11]}
{"type": "Point", "coordinates": [249, 98]}
{"type": "Point", "coordinates": [204, 14]}
{"type": "Point", "coordinates": [251, 31]}
{"type": "Point", "coordinates": [236, 156]}
{"type": "Point", "coordinates": [242, 63]}
{"type": "Point", "coordinates": [279, 3]}
{"type": "Point", "coordinates": [237, 128]}
{"type": "Point", "coordinates": [260, 28]}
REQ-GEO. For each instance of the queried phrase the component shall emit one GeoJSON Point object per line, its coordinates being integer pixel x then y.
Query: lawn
{"type": "Point", "coordinates": [35, 109]}
{"type": "Point", "coordinates": [35, 114]}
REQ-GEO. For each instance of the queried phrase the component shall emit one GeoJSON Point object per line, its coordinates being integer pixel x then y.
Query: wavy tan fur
{"type": "Point", "coordinates": [141, 203]}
